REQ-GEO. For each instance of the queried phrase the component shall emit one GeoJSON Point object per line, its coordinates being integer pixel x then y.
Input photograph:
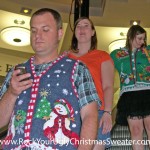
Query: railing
{"type": "Point", "coordinates": [114, 109]}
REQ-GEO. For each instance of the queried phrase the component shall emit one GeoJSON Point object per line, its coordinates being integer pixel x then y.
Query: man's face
{"type": "Point", "coordinates": [44, 34]}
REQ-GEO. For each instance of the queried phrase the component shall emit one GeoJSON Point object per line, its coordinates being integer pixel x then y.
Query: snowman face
{"type": "Point", "coordinates": [61, 109]}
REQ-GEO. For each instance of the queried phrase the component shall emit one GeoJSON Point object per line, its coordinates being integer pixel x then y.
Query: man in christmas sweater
{"type": "Point", "coordinates": [54, 105]}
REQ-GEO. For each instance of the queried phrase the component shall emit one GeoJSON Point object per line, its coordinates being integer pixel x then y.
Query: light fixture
{"type": "Point", "coordinates": [123, 34]}
{"type": "Point", "coordinates": [16, 36]}
{"type": "Point", "coordinates": [117, 44]}
{"type": "Point", "coordinates": [25, 11]}
{"type": "Point", "coordinates": [19, 22]}
{"type": "Point", "coordinates": [135, 22]}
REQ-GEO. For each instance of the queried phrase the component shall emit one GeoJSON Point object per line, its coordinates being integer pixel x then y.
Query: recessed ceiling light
{"type": "Point", "coordinates": [25, 11]}
{"type": "Point", "coordinates": [135, 22]}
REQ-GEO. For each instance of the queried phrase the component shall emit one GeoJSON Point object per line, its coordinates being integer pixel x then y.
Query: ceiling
{"type": "Point", "coordinates": [110, 17]}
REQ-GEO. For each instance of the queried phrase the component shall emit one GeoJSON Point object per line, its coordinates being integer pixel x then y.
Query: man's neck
{"type": "Point", "coordinates": [44, 59]}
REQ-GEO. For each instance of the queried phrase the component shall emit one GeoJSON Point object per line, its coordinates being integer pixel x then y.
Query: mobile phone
{"type": "Point", "coordinates": [22, 70]}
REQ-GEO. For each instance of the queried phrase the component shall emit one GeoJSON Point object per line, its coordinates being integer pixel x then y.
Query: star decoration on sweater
{"type": "Point", "coordinates": [45, 93]}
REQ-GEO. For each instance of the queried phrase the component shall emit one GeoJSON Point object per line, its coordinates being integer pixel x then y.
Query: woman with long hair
{"type": "Point", "coordinates": [133, 65]}
{"type": "Point", "coordinates": [100, 65]}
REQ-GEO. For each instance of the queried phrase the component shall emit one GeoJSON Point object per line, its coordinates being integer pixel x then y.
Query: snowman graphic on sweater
{"type": "Point", "coordinates": [57, 127]}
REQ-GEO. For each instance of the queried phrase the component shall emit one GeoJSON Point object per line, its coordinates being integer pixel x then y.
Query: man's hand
{"type": "Point", "coordinates": [8, 100]}
{"type": "Point", "coordinates": [16, 83]}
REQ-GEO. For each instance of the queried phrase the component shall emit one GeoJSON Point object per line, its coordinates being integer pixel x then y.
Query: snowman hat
{"type": "Point", "coordinates": [67, 105]}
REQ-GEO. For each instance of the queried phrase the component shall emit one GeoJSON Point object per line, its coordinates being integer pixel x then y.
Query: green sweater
{"type": "Point", "coordinates": [133, 68]}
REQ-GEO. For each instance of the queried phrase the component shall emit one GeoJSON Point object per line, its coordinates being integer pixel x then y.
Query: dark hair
{"type": "Point", "coordinates": [53, 12]}
{"type": "Point", "coordinates": [74, 41]}
{"type": "Point", "coordinates": [132, 32]}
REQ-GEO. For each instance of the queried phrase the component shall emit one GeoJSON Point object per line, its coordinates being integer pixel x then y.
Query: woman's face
{"type": "Point", "coordinates": [138, 41]}
{"type": "Point", "coordinates": [84, 31]}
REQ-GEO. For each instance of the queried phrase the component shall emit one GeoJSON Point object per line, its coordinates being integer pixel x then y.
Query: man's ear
{"type": "Point", "coordinates": [60, 33]}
